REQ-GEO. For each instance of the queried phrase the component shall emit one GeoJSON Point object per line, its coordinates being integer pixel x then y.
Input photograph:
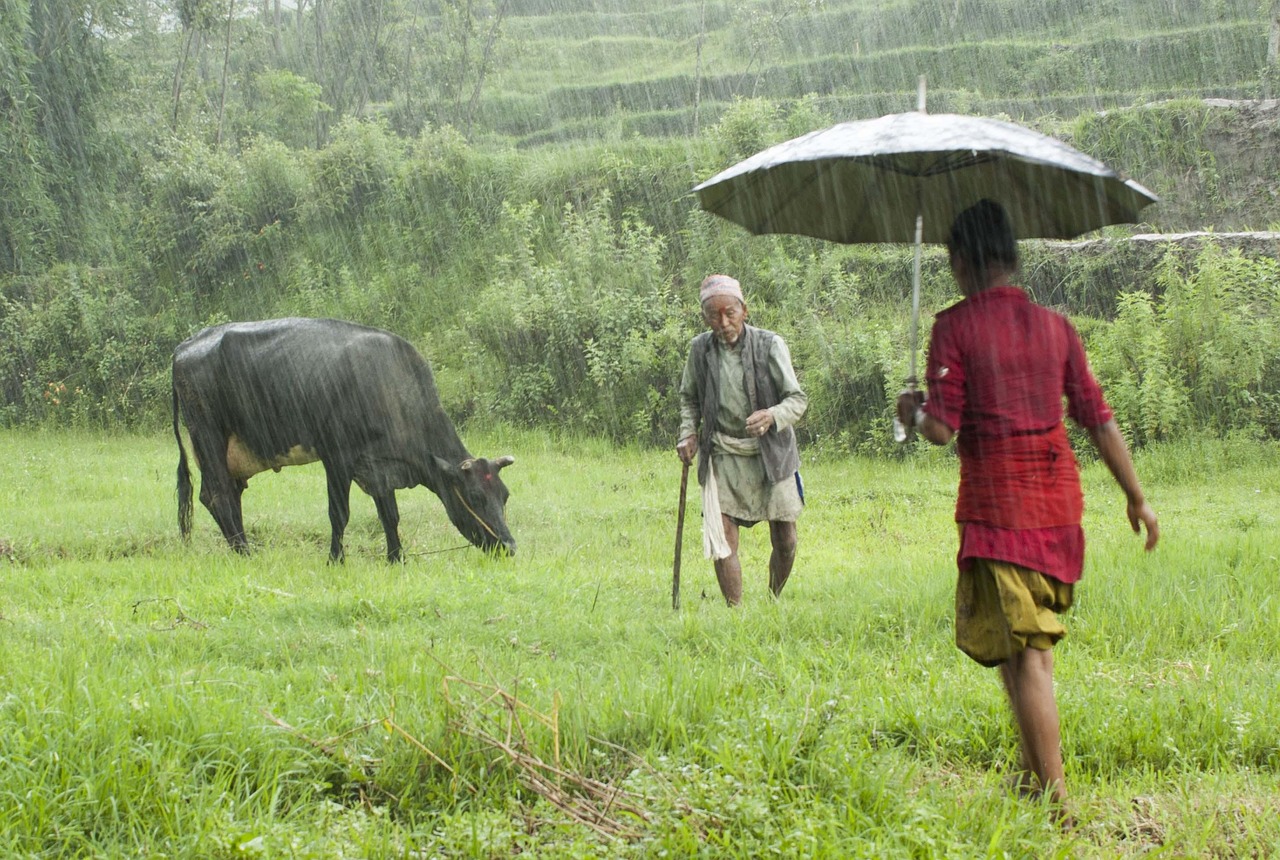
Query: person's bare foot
{"type": "Point", "coordinates": [1023, 783]}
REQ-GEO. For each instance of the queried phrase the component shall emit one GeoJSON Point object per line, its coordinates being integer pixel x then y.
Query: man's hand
{"type": "Point", "coordinates": [687, 448]}
{"type": "Point", "coordinates": [909, 400]}
{"type": "Point", "coordinates": [759, 422]}
{"type": "Point", "coordinates": [1140, 515]}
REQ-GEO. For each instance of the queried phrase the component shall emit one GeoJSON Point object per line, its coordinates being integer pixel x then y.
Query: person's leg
{"type": "Point", "coordinates": [1024, 780]}
{"type": "Point", "coordinates": [729, 569]}
{"type": "Point", "coordinates": [783, 537]}
{"type": "Point", "coordinates": [1028, 680]}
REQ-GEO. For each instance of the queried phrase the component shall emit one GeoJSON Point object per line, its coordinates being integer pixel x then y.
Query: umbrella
{"type": "Point", "coordinates": [904, 178]}
{"type": "Point", "coordinates": [869, 180]}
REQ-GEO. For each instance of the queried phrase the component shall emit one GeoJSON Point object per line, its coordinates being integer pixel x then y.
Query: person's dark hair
{"type": "Point", "coordinates": [983, 237]}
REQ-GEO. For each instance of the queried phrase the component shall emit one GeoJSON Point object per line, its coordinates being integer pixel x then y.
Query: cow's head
{"type": "Point", "coordinates": [476, 500]}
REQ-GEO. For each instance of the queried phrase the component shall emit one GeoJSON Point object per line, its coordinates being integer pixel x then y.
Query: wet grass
{"type": "Point", "coordinates": [179, 701]}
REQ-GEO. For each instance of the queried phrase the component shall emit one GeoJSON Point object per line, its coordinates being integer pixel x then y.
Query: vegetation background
{"type": "Point", "coordinates": [506, 183]}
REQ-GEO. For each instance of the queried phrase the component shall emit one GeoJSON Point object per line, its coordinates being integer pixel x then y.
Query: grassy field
{"type": "Point", "coordinates": [163, 700]}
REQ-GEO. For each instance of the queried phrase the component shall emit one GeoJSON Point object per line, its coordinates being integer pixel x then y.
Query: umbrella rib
{"type": "Point", "coordinates": [948, 162]}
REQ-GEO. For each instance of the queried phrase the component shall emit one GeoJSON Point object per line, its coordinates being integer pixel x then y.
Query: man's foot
{"type": "Point", "coordinates": [1023, 783]}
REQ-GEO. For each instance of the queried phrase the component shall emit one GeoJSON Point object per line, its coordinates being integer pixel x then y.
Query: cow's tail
{"type": "Point", "coordinates": [184, 475]}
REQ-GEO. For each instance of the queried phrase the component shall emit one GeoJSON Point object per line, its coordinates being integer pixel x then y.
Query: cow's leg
{"type": "Point", "coordinates": [219, 492]}
{"type": "Point", "coordinates": [389, 513]}
{"type": "Point", "coordinates": [339, 507]}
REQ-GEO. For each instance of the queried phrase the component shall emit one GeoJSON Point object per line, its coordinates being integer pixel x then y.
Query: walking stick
{"type": "Point", "coordinates": [675, 570]}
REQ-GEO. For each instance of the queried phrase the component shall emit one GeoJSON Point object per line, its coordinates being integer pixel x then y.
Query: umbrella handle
{"type": "Point", "coordinates": [902, 433]}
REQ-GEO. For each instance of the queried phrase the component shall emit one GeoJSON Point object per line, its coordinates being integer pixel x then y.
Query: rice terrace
{"type": "Point", "coordinates": [507, 187]}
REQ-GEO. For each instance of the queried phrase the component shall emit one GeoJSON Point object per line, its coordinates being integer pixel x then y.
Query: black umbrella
{"type": "Point", "coordinates": [904, 178]}
{"type": "Point", "coordinates": [869, 180]}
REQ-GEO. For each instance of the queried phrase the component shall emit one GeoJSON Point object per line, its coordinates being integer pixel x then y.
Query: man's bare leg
{"type": "Point", "coordinates": [1028, 680]}
{"type": "Point", "coordinates": [783, 537]}
{"type": "Point", "coordinates": [729, 569]}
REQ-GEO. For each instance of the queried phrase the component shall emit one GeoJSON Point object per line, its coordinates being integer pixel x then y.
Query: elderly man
{"type": "Point", "coordinates": [739, 398]}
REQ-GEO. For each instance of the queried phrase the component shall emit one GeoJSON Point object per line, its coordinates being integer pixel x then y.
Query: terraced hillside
{"type": "Point", "coordinates": [601, 68]}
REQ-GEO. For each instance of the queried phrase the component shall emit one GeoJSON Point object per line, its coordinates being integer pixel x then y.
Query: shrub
{"type": "Point", "coordinates": [77, 349]}
{"type": "Point", "coordinates": [587, 335]}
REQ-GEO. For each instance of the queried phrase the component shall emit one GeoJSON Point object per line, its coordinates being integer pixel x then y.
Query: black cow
{"type": "Point", "coordinates": [261, 395]}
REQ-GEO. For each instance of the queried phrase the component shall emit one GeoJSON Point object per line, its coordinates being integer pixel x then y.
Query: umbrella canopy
{"type": "Point", "coordinates": [868, 180]}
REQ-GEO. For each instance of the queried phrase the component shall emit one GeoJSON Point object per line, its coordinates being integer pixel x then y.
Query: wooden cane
{"type": "Point", "coordinates": [675, 570]}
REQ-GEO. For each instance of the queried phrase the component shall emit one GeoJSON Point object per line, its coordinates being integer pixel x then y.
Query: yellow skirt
{"type": "Point", "coordinates": [1002, 609]}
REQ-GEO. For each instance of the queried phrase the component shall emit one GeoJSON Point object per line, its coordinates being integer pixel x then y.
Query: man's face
{"type": "Point", "coordinates": [726, 316]}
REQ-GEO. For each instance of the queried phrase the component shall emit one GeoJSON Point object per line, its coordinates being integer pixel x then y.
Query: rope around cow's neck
{"type": "Point", "coordinates": [480, 520]}
{"type": "Point", "coordinates": [438, 551]}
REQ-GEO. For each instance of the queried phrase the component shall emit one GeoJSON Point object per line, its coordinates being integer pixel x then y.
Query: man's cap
{"type": "Point", "coordinates": [720, 285]}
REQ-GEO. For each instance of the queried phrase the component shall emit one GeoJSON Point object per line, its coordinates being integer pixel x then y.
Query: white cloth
{"type": "Point", "coordinates": [741, 447]}
{"type": "Point", "coordinates": [714, 544]}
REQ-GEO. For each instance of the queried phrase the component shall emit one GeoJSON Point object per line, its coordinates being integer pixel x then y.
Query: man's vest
{"type": "Point", "coordinates": [777, 449]}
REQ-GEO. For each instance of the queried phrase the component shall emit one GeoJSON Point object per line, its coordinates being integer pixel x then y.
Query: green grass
{"type": "Point", "coordinates": [164, 700]}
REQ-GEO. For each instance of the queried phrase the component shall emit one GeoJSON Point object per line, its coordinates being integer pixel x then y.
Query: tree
{"type": "Point", "coordinates": [1272, 73]}
{"type": "Point", "coordinates": [226, 61]}
{"type": "Point", "coordinates": [27, 214]}
{"type": "Point", "coordinates": [762, 32]}
{"type": "Point", "coordinates": [465, 52]}
{"type": "Point", "coordinates": [196, 17]}
{"type": "Point", "coordinates": [53, 74]}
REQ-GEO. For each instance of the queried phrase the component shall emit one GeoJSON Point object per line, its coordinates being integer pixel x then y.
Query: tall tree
{"type": "Point", "coordinates": [67, 72]}
{"type": "Point", "coordinates": [226, 62]}
{"type": "Point", "coordinates": [196, 18]}
{"type": "Point", "coordinates": [1271, 75]}
{"type": "Point", "coordinates": [27, 213]}
{"type": "Point", "coordinates": [466, 50]}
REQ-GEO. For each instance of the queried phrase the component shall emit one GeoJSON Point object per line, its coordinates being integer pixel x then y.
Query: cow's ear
{"type": "Point", "coordinates": [445, 467]}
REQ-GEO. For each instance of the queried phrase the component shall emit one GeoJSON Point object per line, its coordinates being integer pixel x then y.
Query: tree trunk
{"type": "Point", "coordinates": [1273, 51]}
{"type": "Point", "coordinates": [322, 128]}
{"type": "Point", "coordinates": [226, 62]}
{"type": "Point", "coordinates": [277, 44]}
{"type": "Point", "coordinates": [177, 74]}
{"type": "Point", "coordinates": [464, 60]}
{"type": "Point", "coordinates": [697, 64]}
{"type": "Point", "coordinates": [483, 68]}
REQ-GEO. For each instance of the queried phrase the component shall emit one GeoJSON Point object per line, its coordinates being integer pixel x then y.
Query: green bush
{"type": "Point", "coordinates": [1205, 355]}
{"type": "Point", "coordinates": [77, 349]}
{"type": "Point", "coordinates": [588, 335]}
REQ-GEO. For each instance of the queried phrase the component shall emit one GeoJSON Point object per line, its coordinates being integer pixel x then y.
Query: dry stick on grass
{"type": "Point", "coordinates": [670, 790]}
{"type": "Point", "coordinates": [329, 747]}
{"type": "Point", "coordinates": [591, 804]}
{"type": "Point", "coordinates": [182, 617]}
{"type": "Point", "coordinates": [332, 748]}
{"type": "Point", "coordinates": [588, 801]}
{"type": "Point", "coordinates": [392, 726]}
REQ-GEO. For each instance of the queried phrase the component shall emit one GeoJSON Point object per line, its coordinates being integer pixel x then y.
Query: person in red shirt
{"type": "Point", "coordinates": [998, 370]}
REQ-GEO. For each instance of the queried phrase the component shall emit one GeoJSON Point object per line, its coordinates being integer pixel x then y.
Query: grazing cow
{"type": "Point", "coordinates": [262, 395]}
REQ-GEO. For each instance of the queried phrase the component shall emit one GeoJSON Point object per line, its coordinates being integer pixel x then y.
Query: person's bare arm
{"type": "Point", "coordinates": [1114, 451]}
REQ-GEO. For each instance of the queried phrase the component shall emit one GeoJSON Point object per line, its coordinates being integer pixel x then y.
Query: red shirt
{"type": "Point", "coordinates": [999, 367]}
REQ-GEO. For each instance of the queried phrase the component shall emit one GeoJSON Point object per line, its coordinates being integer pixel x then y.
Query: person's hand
{"type": "Point", "coordinates": [909, 400]}
{"type": "Point", "coordinates": [1142, 515]}
{"type": "Point", "coordinates": [759, 422]}
{"type": "Point", "coordinates": [687, 448]}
